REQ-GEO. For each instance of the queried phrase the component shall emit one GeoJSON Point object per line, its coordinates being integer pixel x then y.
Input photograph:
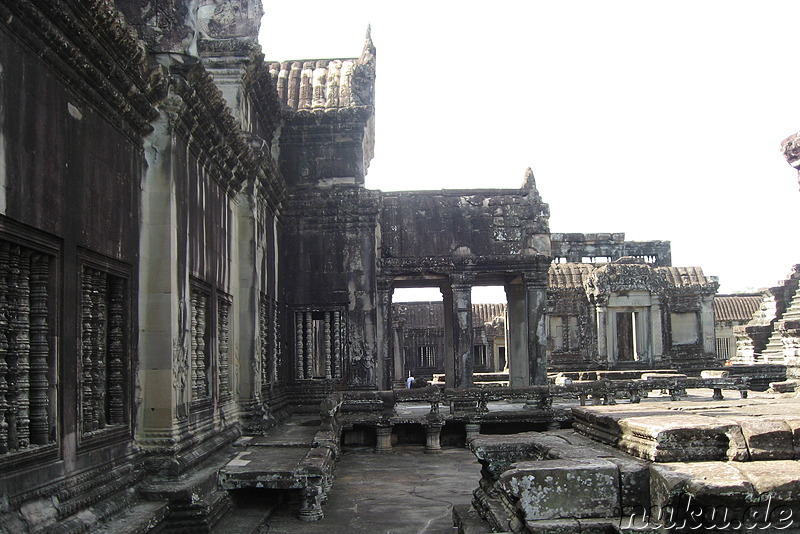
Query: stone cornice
{"type": "Point", "coordinates": [94, 50]}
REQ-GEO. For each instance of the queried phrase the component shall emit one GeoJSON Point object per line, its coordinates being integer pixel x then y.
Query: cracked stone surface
{"type": "Point", "coordinates": [402, 492]}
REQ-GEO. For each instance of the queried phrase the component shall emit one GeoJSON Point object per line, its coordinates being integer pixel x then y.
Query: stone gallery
{"type": "Point", "coordinates": [196, 300]}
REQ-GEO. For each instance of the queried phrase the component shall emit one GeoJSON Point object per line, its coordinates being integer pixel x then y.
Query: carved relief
{"type": "Point", "coordinates": [223, 351]}
{"type": "Point", "coordinates": [199, 340]}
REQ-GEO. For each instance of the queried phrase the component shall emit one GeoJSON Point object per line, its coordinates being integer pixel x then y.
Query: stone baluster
{"type": "Point", "coordinates": [4, 406]}
{"type": "Point", "coordinates": [116, 351]}
{"type": "Point", "coordinates": [263, 337]}
{"type": "Point", "coordinates": [99, 298]}
{"type": "Point", "coordinates": [327, 335]}
{"type": "Point", "coordinates": [337, 345]}
{"type": "Point", "coordinates": [193, 340]}
{"type": "Point", "coordinates": [87, 401]}
{"type": "Point", "coordinates": [299, 319]}
{"type": "Point", "coordinates": [24, 349]}
{"type": "Point", "coordinates": [40, 427]}
{"type": "Point", "coordinates": [273, 341]}
{"type": "Point", "coordinates": [13, 350]}
{"type": "Point", "coordinates": [224, 364]}
{"type": "Point", "coordinates": [200, 356]}
{"type": "Point", "coordinates": [309, 348]}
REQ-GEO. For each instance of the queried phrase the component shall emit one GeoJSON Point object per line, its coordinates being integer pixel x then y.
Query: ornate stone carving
{"type": "Point", "coordinates": [223, 335]}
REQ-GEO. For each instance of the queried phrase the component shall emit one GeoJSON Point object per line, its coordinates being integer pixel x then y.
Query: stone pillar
{"type": "Point", "coordinates": [163, 293]}
{"type": "Point", "coordinates": [384, 328]}
{"type": "Point", "coordinates": [432, 433]}
{"type": "Point", "coordinates": [463, 342]}
{"type": "Point", "coordinates": [602, 333]}
{"type": "Point", "coordinates": [383, 435]}
{"type": "Point", "coordinates": [536, 302]}
{"type": "Point", "coordinates": [517, 340]}
{"type": "Point", "coordinates": [449, 350]}
{"type": "Point", "coordinates": [473, 430]}
{"type": "Point", "coordinates": [656, 332]}
{"type": "Point", "coordinates": [707, 324]}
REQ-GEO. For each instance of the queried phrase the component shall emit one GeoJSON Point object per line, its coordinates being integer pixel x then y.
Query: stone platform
{"type": "Point", "coordinates": [654, 466]}
{"type": "Point", "coordinates": [740, 430]}
{"type": "Point", "coordinates": [294, 455]}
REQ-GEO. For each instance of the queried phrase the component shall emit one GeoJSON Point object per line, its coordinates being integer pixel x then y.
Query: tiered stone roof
{"type": "Point", "coordinates": [736, 308]}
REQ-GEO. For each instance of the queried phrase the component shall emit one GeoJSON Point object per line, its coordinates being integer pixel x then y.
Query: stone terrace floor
{"type": "Point", "coordinates": [402, 492]}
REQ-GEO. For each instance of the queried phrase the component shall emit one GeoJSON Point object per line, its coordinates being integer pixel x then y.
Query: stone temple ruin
{"type": "Point", "coordinates": [196, 299]}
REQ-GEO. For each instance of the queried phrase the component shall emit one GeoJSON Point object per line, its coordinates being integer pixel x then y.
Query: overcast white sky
{"type": "Point", "coordinates": [662, 120]}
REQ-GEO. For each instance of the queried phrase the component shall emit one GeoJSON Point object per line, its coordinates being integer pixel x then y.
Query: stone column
{"type": "Point", "coordinates": [384, 328]}
{"type": "Point", "coordinates": [163, 293]}
{"type": "Point", "coordinates": [656, 333]}
{"type": "Point", "coordinates": [432, 433]}
{"type": "Point", "coordinates": [383, 435]}
{"type": "Point", "coordinates": [602, 333]}
{"type": "Point", "coordinates": [461, 317]}
{"type": "Point", "coordinates": [536, 302]}
{"type": "Point", "coordinates": [707, 324]}
{"type": "Point", "coordinates": [449, 350]}
{"type": "Point", "coordinates": [517, 340]}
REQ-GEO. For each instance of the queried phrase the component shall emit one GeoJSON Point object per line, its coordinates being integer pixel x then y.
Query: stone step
{"type": "Point", "coordinates": [120, 514]}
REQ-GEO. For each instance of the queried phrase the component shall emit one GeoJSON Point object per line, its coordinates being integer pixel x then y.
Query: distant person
{"type": "Point", "coordinates": [409, 382]}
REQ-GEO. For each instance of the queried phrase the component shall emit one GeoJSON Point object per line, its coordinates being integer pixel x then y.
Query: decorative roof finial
{"type": "Point", "coordinates": [530, 182]}
{"type": "Point", "coordinates": [368, 54]}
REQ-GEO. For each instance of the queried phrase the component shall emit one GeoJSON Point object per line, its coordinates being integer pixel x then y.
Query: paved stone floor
{"type": "Point", "coordinates": [402, 492]}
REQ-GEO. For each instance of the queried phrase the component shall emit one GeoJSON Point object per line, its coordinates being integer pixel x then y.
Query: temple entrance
{"type": "Point", "coordinates": [626, 337]}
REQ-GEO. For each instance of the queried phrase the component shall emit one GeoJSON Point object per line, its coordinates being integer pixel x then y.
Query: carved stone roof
{"type": "Point", "coordinates": [627, 273]}
{"type": "Point", "coordinates": [326, 84]}
{"type": "Point", "coordinates": [686, 277]}
{"type": "Point", "coordinates": [569, 275]}
{"type": "Point", "coordinates": [431, 314]}
{"type": "Point", "coordinates": [736, 307]}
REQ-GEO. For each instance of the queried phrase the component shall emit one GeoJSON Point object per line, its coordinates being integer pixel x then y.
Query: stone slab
{"type": "Point", "coordinates": [560, 489]}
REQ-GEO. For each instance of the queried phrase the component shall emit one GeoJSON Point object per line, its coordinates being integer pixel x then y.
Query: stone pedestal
{"type": "Point", "coordinates": [311, 502]}
{"type": "Point", "coordinates": [432, 434]}
{"type": "Point", "coordinates": [473, 430]}
{"type": "Point", "coordinates": [383, 435]}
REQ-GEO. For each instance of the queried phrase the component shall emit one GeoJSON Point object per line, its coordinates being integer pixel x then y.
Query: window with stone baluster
{"type": "Point", "coordinates": [104, 365]}
{"type": "Point", "coordinates": [319, 335]}
{"type": "Point", "coordinates": [28, 400]}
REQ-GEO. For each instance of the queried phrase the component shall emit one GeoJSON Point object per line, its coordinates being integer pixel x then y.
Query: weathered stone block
{"type": "Point", "coordinates": [559, 489]}
{"type": "Point", "coordinates": [767, 439]}
{"type": "Point", "coordinates": [777, 479]}
{"type": "Point", "coordinates": [707, 483]}
{"type": "Point", "coordinates": [497, 453]}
